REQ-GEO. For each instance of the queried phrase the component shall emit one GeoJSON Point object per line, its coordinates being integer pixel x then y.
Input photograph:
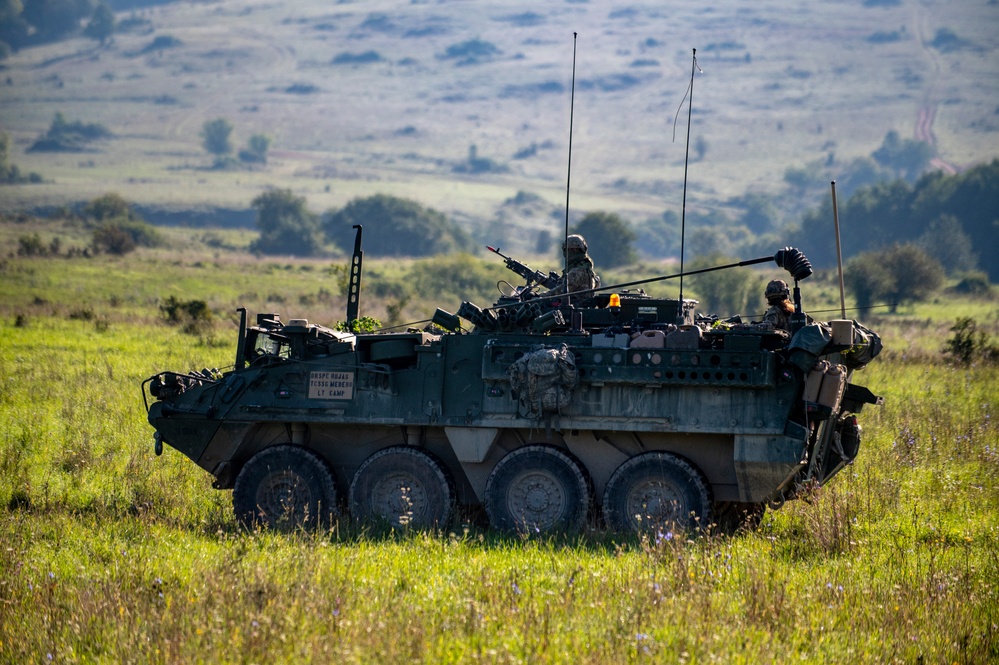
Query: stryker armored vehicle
{"type": "Point", "coordinates": [607, 408]}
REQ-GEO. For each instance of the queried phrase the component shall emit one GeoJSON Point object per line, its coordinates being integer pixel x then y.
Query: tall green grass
{"type": "Point", "coordinates": [110, 554]}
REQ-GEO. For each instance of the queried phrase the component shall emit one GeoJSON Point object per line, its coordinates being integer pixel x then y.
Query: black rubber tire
{"type": "Point", "coordinates": [404, 486]}
{"type": "Point", "coordinates": [538, 489]}
{"type": "Point", "coordinates": [731, 517]}
{"type": "Point", "coordinates": [285, 488]}
{"type": "Point", "coordinates": [657, 492]}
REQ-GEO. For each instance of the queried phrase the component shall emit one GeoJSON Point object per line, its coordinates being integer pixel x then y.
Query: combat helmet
{"type": "Point", "coordinates": [574, 243]}
{"type": "Point", "coordinates": [777, 289]}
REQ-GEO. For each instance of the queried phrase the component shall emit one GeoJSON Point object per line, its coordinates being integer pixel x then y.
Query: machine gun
{"type": "Point", "coordinates": [532, 276]}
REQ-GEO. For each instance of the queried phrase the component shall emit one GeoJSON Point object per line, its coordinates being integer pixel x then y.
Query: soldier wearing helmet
{"type": "Point", "coordinates": [780, 306]}
{"type": "Point", "coordinates": [579, 273]}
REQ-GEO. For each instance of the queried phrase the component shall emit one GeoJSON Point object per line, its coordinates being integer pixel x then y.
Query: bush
{"type": "Point", "coordinates": [31, 246]}
{"type": "Point", "coordinates": [471, 52]}
{"type": "Point", "coordinates": [365, 324]}
{"type": "Point", "coordinates": [969, 344]}
{"type": "Point", "coordinates": [65, 136]}
{"type": "Point", "coordinates": [286, 226]}
{"type": "Point", "coordinates": [395, 227]}
{"type": "Point", "coordinates": [124, 235]}
{"type": "Point", "coordinates": [974, 282]}
{"type": "Point", "coordinates": [108, 206]}
{"type": "Point", "coordinates": [161, 42]}
{"type": "Point", "coordinates": [194, 315]}
{"type": "Point", "coordinates": [256, 149]}
{"type": "Point", "coordinates": [452, 279]}
{"type": "Point", "coordinates": [364, 58]}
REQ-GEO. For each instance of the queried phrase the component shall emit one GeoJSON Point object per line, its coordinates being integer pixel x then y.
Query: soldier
{"type": "Point", "coordinates": [579, 274]}
{"type": "Point", "coordinates": [781, 308]}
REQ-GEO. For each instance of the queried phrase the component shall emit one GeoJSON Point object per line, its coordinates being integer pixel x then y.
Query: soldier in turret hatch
{"type": "Point", "coordinates": [579, 268]}
{"type": "Point", "coordinates": [780, 308]}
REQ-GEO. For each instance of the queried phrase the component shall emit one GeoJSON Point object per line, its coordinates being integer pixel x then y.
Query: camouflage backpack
{"type": "Point", "coordinates": [543, 380]}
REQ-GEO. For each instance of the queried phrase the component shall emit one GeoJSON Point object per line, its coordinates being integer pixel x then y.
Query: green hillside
{"type": "Point", "coordinates": [460, 106]}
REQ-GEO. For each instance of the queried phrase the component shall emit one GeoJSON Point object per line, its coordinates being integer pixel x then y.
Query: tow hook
{"type": "Point", "coordinates": [157, 444]}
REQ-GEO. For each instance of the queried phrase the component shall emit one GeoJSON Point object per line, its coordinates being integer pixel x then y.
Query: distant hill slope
{"type": "Point", "coordinates": [461, 105]}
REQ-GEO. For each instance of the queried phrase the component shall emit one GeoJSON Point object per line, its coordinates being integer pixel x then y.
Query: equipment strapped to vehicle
{"type": "Point", "coordinates": [543, 380]}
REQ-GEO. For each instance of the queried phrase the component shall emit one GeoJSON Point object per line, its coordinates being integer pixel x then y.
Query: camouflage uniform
{"type": "Point", "coordinates": [779, 313]}
{"type": "Point", "coordinates": [579, 274]}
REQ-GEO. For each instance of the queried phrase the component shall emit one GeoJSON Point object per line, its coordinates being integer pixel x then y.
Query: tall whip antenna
{"type": "Point", "coordinates": [839, 252]}
{"type": "Point", "coordinates": [565, 238]}
{"type": "Point", "coordinates": [683, 209]}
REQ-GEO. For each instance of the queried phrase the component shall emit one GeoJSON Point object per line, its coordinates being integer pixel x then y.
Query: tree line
{"type": "Point", "coordinates": [27, 22]}
{"type": "Point", "coordinates": [953, 218]}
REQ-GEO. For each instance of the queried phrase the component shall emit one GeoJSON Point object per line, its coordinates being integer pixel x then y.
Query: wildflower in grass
{"type": "Point", "coordinates": [516, 588]}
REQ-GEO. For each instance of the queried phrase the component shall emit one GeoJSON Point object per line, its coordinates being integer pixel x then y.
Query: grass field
{"type": "Point", "coordinates": [111, 554]}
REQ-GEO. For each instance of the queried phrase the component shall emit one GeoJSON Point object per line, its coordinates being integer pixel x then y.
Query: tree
{"type": "Point", "coordinates": [724, 292]}
{"type": "Point", "coordinates": [55, 18]}
{"type": "Point", "coordinates": [609, 238]}
{"type": "Point", "coordinates": [13, 27]}
{"type": "Point", "coordinates": [10, 173]}
{"type": "Point", "coordinates": [286, 226]}
{"type": "Point", "coordinates": [867, 280]}
{"type": "Point", "coordinates": [256, 149]}
{"type": "Point", "coordinates": [946, 241]}
{"type": "Point", "coordinates": [396, 227]}
{"type": "Point", "coordinates": [215, 138]}
{"type": "Point", "coordinates": [101, 25]}
{"type": "Point", "coordinates": [898, 274]}
{"type": "Point", "coordinates": [109, 206]}
{"type": "Point", "coordinates": [907, 157]}
{"type": "Point", "coordinates": [659, 237]}
{"type": "Point", "coordinates": [761, 214]}
{"type": "Point", "coordinates": [6, 168]}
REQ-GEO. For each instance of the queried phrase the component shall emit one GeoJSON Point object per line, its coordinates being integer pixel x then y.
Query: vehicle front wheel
{"type": "Point", "coordinates": [285, 488]}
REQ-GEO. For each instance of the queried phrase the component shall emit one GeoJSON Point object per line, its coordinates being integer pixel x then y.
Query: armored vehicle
{"type": "Point", "coordinates": [608, 408]}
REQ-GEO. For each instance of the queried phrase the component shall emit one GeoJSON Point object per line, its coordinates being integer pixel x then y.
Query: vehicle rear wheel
{"type": "Point", "coordinates": [538, 489]}
{"type": "Point", "coordinates": [285, 488]}
{"type": "Point", "coordinates": [407, 487]}
{"type": "Point", "coordinates": [657, 491]}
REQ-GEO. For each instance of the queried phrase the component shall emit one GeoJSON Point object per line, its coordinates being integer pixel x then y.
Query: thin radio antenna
{"type": "Point", "coordinates": [680, 316]}
{"type": "Point", "coordinates": [565, 237]}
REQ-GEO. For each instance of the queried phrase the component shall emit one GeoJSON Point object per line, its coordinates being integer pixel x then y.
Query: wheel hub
{"type": "Point", "coordinates": [284, 495]}
{"type": "Point", "coordinates": [656, 501]}
{"type": "Point", "coordinates": [537, 499]}
{"type": "Point", "coordinates": [399, 498]}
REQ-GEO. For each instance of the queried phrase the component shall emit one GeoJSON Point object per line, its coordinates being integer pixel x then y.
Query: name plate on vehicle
{"type": "Point", "coordinates": [331, 385]}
